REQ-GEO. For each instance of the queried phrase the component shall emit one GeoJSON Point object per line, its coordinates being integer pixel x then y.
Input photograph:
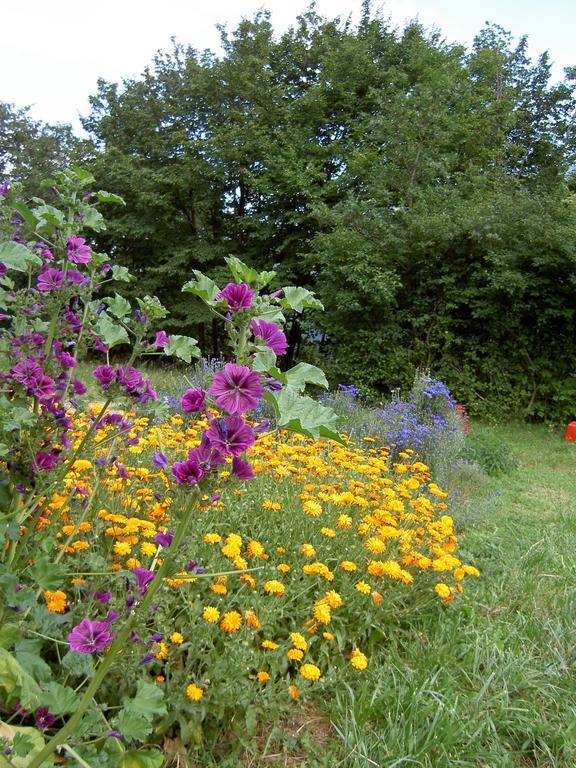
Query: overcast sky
{"type": "Point", "coordinates": [53, 51]}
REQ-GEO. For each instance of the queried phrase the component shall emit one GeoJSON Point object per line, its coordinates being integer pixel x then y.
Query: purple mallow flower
{"type": "Point", "coordinates": [271, 335]}
{"type": "Point", "coordinates": [230, 435]}
{"type": "Point", "coordinates": [103, 597]}
{"type": "Point", "coordinates": [77, 250]}
{"type": "Point", "coordinates": [237, 296]}
{"type": "Point", "coordinates": [143, 578]}
{"type": "Point", "coordinates": [187, 472]}
{"type": "Point", "coordinates": [193, 400]}
{"type": "Point", "coordinates": [105, 375]}
{"type": "Point", "coordinates": [89, 636]}
{"type": "Point", "coordinates": [236, 389]}
{"type": "Point", "coordinates": [242, 469]}
{"type": "Point", "coordinates": [161, 340]}
{"type": "Point", "coordinates": [50, 280]}
{"type": "Point", "coordinates": [43, 718]}
{"type": "Point", "coordinates": [159, 460]}
{"type": "Point", "coordinates": [164, 539]}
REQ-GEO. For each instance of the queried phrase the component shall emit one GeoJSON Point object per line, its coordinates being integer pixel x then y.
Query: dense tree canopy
{"type": "Point", "coordinates": [422, 190]}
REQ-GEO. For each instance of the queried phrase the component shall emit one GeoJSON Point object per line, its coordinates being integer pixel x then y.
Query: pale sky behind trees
{"type": "Point", "coordinates": [54, 50]}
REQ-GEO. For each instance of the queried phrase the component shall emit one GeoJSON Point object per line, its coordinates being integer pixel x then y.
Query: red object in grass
{"type": "Point", "coordinates": [463, 413]}
{"type": "Point", "coordinates": [570, 433]}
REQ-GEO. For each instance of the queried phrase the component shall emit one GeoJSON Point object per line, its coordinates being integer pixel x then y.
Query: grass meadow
{"type": "Point", "coordinates": [486, 682]}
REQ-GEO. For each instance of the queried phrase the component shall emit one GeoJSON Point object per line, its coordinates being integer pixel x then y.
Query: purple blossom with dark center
{"type": "Point", "coordinates": [121, 469]}
{"type": "Point", "coordinates": [159, 460]}
{"type": "Point", "coordinates": [105, 375]}
{"type": "Point", "coordinates": [114, 735]}
{"type": "Point", "coordinates": [44, 461]}
{"type": "Point", "coordinates": [143, 578]}
{"type": "Point", "coordinates": [148, 393]}
{"type": "Point", "coordinates": [72, 319]}
{"type": "Point", "coordinates": [206, 455]}
{"type": "Point", "coordinates": [41, 386]}
{"type": "Point", "coordinates": [191, 566]}
{"type": "Point", "coordinates": [140, 316]}
{"type": "Point", "coordinates": [111, 617]}
{"type": "Point", "coordinates": [103, 597]}
{"type": "Point", "coordinates": [47, 254]}
{"type": "Point", "coordinates": [263, 426]}
{"type": "Point", "coordinates": [131, 379]}
{"type": "Point", "coordinates": [155, 638]}
{"type": "Point", "coordinates": [271, 335]}
{"type": "Point", "coordinates": [242, 469]}
{"type": "Point", "coordinates": [75, 277]}
{"type": "Point", "coordinates": [237, 296]}
{"type": "Point", "coordinates": [43, 718]}
{"type": "Point", "coordinates": [77, 250]}
{"type": "Point", "coordinates": [89, 636]}
{"type": "Point", "coordinates": [193, 400]}
{"type": "Point", "coordinates": [162, 340]}
{"type": "Point", "coordinates": [4, 187]}
{"type": "Point", "coordinates": [147, 658]}
{"type": "Point", "coordinates": [106, 268]}
{"type": "Point", "coordinates": [236, 389]}
{"type": "Point", "coordinates": [230, 435]}
{"type": "Point", "coordinates": [164, 539]}
{"type": "Point", "coordinates": [98, 344]}
{"type": "Point", "coordinates": [187, 472]}
{"type": "Point", "coordinates": [24, 371]}
{"type": "Point", "coordinates": [130, 602]}
{"type": "Point", "coordinates": [50, 280]}
{"type": "Point", "coordinates": [272, 385]}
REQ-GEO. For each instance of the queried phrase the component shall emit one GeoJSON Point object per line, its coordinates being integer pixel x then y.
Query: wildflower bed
{"type": "Point", "coordinates": [279, 582]}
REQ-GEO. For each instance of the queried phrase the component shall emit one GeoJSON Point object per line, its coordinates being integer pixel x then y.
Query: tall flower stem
{"type": "Point", "coordinates": [119, 642]}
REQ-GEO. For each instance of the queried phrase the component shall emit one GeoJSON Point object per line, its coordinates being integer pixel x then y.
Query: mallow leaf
{"type": "Point", "coordinates": [184, 347]}
{"type": "Point", "coordinates": [298, 299]}
{"type": "Point", "coordinates": [203, 287]}
{"type": "Point", "coordinates": [16, 256]}
{"type": "Point", "coordinates": [305, 415]}
{"type": "Point", "coordinates": [304, 373]}
{"type": "Point", "coordinates": [110, 332]}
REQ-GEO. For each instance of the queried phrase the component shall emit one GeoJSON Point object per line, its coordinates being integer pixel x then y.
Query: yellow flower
{"type": "Point", "coordinates": [219, 589]}
{"type": "Point", "coordinates": [274, 587]}
{"type": "Point", "coordinates": [273, 505]}
{"type": "Point", "coordinates": [263, 677]}
{"type": "Point", "coordinates": [294, 692]}
{"type": "Point", "coordinates": [348, 565]}
{"type": "Point", "coordinates": [269, 645]}
{"type": "Point", "coordinates": [147, 548]}
{"type": "Point", "coordinates": [160, 650]}
{"type": "Point", "coordinates": [363, 587]}
{"type": "Point", "coordinates": [231, 622]}
{"type": "Point", "coordinates": [329, 532]}
{"type": "Point", "coordinates": [344, 521]}
{"type": "Point", "coordinates": [283, 568]}
{"type": "Point", "coordinates": [310, 672]}
{"type": "Point", "coordinates": [211, 614]}
{"type": "Point", "coordinates": [322, 613]}
{"type": "Point", "coordinates": [247, 578]}
{"type": "Point", "coordinates": [295, 654]}
{"type": "Point", "coordinates": [312, 508]}
{"type": "Point", "coordinates": [358, 659]}
{"type": "Point", "coordinates": [176, 638]}
{"type": "Point", "coordinates": [307, 550]}
{"type": "Point", "coordinates": [442, 590]}
{"type": "Point", "coordinates": [255, 549]}
{"type": "Point", "coordinates": [252, 620]}
{"type": "Point", "coordinates": [298, 641]}
{"type": "Point", "coordinates": [212, 538]}
{"type": "Point", "coordinates": [194, 692]}
{"type": "Point", "coordinates": [375, 545]}
{"type": "Point", "coordinates": [333, 599]}
{"type": "Point", "coordinates": [55, 601]}
{"type": "Point", "coordinates": [327, 635]}
{"type": "Point", "coordinates": [121, 548]}
{"type": "Point", "coordinates": [133, 562]}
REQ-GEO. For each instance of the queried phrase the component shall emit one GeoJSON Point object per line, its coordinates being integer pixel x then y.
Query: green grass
{"type": "Point", "coordinates": [490, 681]}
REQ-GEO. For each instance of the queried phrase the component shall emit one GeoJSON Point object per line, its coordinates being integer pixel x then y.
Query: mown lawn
{"type": "Point", "coordinates": [489, 681]}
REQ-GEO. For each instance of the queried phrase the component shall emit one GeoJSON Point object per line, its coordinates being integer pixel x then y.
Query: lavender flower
{"type": "Point", "coordinates": [230, 435]}
{"type": "Point", "coordinates": [187, 472]}
{"type": "Point", "coordinates": [43, 718]}
{"type": "Point", "coordinates": [193, 400]}
{"type": "Point", "coordinates": [77, 250]}
{"type": "Point", "coordinates": [271, 335]}
{"type": "Point", "coordinates": [50, 280]}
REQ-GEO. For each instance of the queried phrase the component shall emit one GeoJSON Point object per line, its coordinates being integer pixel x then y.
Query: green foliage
{"type": "Point", "coordinates": [491, 454]}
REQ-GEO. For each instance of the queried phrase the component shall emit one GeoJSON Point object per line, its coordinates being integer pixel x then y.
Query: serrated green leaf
{"type": "Point", "coordinates": [148, 702]}
{"type": "Point", "coordinates": [16, 256]}
{"type": "Point", "coordinates": [241, 272]}
{"type": "Point", "coordinates": [133, 726]}
{"type": "Point", "coordinates": [299, 299]}
{"type": "Point", "coordinates": [109, 197]}
{"type": "Point", "coordinates": [110, 332]}
{"type": "Point", "coordinates": [48, 216]}
{"type": "Point", "coordinates": [152, 307]}
{"type": "Point", "coordinates": [183, 347]}
{"type": "Point", "coordinates": [121, 274]}
{"type": "Point", "coordinates": [118, 305]}
{"type": "Point", "coordinates": [203, 287]}
{"type": "Point", "coordinates": [306, 416]}
{"type": "Point", "coordinates": [268, 312]}
{"type": "Point", "coordinates": [304, 373]}
{"type": "Point", "coordinates": [59, 698]}
{"type": "Point", "coordinates": [93, 218]}
{"type": "Point", "coordinates": [78, 664]}
{"type": "Point", "coordinates": [26, 214]}
{"type": "Point", "coordinates": [29, 654]}
{"type": "Point", "coordinates": [26, 743]}
{"type": "Point", "coordinates": [9, 635]}
{"type": "Point", "coordinates": [16, 684]}
{"type": "Point", "coordinates": [47, 574]}
{"type": "Point", "coordinates": [264, 359]}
